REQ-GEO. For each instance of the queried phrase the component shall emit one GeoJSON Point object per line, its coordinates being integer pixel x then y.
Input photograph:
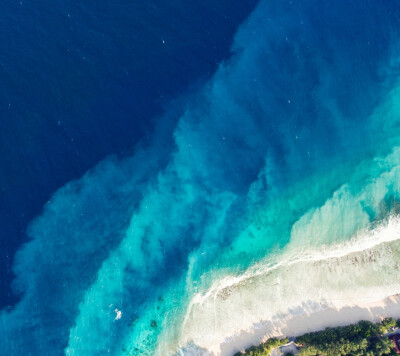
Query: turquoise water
{"type": "Point", "coordinates": [288, 151]}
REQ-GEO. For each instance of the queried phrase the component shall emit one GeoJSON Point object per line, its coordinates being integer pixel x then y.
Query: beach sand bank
{"type": "Point", "coordinates": [307, 288]}
{"type": "Point", "coordinates": [314, 317]}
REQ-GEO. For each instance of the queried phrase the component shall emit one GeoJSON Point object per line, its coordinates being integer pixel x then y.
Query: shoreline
{"type": "Point", "coordinates": [312, 317]}
{"type": "Point", "coordinates": [305, 290]}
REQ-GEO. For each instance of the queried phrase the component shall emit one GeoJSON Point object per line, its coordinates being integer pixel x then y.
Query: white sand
{"type": "Point", "coordinates": [313, 320]}
{"type": "Point", "coordinates": [296, 298]}
{"type": "Point", "coordinates": [306, 290]}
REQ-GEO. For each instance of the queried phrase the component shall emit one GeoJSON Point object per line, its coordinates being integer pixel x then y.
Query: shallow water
{"type": "Point", "coordinates": [288, 155]}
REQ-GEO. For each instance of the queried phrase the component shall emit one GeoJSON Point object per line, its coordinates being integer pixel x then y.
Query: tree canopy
{"type": "Point", "coordinates": [361, 339]}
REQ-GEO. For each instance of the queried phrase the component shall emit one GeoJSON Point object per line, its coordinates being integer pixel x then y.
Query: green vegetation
{"type": "Point", "coordinates": [361, 339]}
{"type": "Point", "coordinates": [265, 348]}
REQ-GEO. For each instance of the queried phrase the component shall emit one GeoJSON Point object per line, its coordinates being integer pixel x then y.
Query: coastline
{"type": "Point", "coordinates": [308, 290]}
{"type": "Point", "coordinates": [315, 317]}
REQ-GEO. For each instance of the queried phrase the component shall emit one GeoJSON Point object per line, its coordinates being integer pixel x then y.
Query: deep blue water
{"type": "Point", "coordinates": [237, 132]}
{"type": "Point", "coordinates": [79, 82]}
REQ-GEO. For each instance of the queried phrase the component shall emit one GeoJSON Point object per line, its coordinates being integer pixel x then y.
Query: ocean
{"type": "Point", "coordinates": [80, 82]}
{"type": "Point", "coordinates": [173, 174]}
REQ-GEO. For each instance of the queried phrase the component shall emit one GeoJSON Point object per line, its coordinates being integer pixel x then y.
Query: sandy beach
{"type": "Point", "coordinates": [306, 291]}
{"type": "Point", "coordinates": [313, 318]}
